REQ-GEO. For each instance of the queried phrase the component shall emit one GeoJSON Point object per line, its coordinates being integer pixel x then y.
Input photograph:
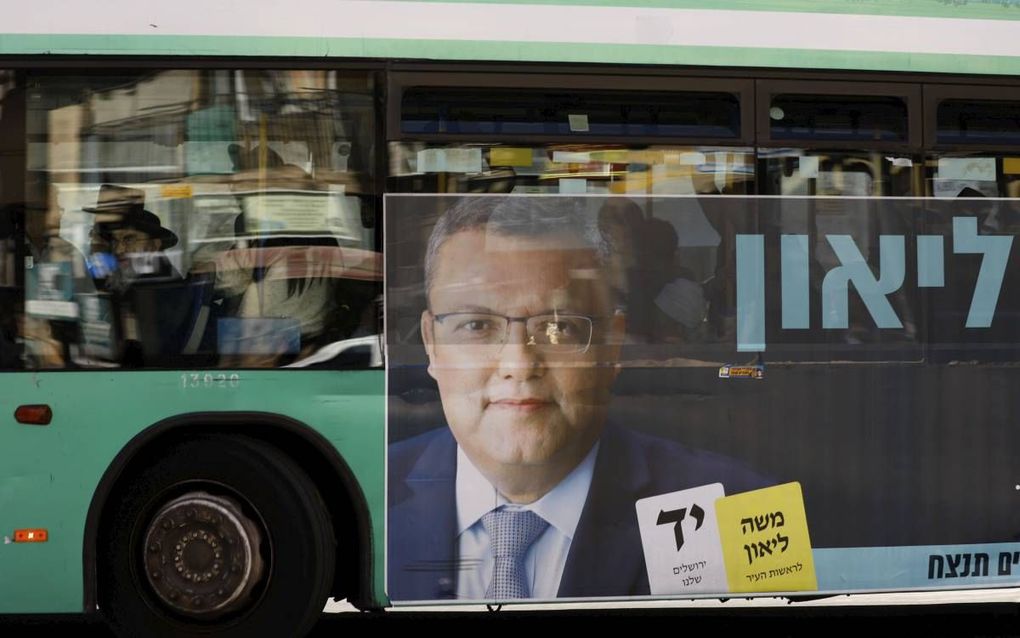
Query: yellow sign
{"type": "Point", "coordinates": [765, 541]}
{"type": "Point", "coordinates": [174, 191]}
{"type": "Point", "coordinates": [616, 156]}
{"type": "Point", "coordinates": [1011, 166]}
{"type": "Point", "coordinates": [508, 156]}
{"type": "Point", "coordinates": [736, 372]}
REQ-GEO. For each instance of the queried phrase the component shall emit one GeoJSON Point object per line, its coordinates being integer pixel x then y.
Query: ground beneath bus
{"type": "Point", "coordinates": [957, 619]}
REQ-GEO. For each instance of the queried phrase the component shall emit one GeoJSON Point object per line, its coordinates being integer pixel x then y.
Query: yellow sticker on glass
{"type": "Point", "coordinates": [508, 156]}
{"type": "Point", "coordinates": [765, 541]}
{"type": "Point", "coordinates": [175, 191]}
{"type": "Point", "coordinates": [1011, 165]}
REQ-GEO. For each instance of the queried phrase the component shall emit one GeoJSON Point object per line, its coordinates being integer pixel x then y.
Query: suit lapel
{"type": "Point", "coordinates": [422, 526]}
{"type": "Point", "coordinates": [605, 557]}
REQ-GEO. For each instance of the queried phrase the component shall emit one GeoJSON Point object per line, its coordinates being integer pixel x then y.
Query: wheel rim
{"type": "Point", "coordinates": [201, 555]}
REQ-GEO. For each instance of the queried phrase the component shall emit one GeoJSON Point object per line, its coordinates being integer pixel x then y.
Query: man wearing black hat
{"type": "Point", "coordinates": [128, 244]}
{"type": "Point", "coordinates": [133, 236]}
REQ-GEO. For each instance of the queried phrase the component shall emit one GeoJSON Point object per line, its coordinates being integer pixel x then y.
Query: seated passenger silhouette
{"type": "Point", "coordinates": [159, 311]}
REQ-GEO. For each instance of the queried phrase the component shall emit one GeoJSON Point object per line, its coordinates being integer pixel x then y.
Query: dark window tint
{"type": "Point", "coordinates": [978, 122]}
{"type": "Point", "coordinates": [550, 112]}
{"type": "Point", "coordinates": [838, 118]}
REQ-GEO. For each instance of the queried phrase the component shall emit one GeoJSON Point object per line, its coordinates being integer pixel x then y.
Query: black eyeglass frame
{"type": "Point", "coordinates": [580, 349]}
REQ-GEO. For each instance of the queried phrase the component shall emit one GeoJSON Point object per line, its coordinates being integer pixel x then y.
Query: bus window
{"type": "Point", "coordinates": [628, 145]}
{"type": "Point", "coordinates": [574, 113]}
{"type": "Point", "coordinates": [607, 169]}
{"type": "Point", "coordinates": [841, 192]}
{"type": "Point", "coordinates": [676, 252]}
{"type": "Point", "coordinates": [838, 118]}
{"type": "Point", "coordinates": [987, 122]}
{"type": "Point", "coordinates": [200, 218]}
{"type": "Point", "coordinates": [984, 187]}
{"type": "Point", "coordinates": [805, 172]}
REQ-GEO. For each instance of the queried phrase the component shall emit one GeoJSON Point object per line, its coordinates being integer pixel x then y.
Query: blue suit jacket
{"type": "Point", "coordinates": [605, 557]}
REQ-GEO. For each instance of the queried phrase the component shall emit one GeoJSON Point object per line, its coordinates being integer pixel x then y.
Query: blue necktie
{"type": "Point", "coordinates": [511, 533]}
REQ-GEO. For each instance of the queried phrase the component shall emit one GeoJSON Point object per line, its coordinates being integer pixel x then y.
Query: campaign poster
{"type": "Point", "coordinates": [674, 396]}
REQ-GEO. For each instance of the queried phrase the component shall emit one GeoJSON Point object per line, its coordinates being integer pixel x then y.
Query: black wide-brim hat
{"type": "Point", "coordinates": [123, 207]}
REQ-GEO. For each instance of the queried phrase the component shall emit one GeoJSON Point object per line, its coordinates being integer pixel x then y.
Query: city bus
{"type": "Point", "coordinates": [761, 254]}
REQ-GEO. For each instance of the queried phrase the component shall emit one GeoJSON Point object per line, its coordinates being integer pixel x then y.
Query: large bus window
{"type": "Point", "coordinates": [981, 189]}
{"type": "Point", "coordinates": [840, 193]}
{"type": "Point", "coordinates": [200, 218]}
{"type": "Point", "coordinates": [639, 141]}
{"type": "Point", "coordinates": [836, 159]}
{"type": "Point", "coordinates": [677, 253]}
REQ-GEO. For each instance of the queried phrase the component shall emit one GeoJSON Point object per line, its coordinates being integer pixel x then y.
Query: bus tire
{"type": "Point", "coordinates": [216, 535]}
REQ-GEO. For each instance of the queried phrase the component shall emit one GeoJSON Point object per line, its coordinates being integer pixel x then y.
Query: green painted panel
{"type": "Point", "coordinates": [972, 9]}
{"type": "Point", "coordinates": [504, 51]}
{"type": "Point", "coordinates": [48, 474]}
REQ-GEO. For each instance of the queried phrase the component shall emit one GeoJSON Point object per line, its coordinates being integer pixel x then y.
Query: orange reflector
{"type": "Point", "coordinates": [31, 536]}
{"type": "Point", "coordinates": [34, 414]}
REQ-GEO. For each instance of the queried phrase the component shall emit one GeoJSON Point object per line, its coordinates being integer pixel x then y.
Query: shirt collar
{"type": "Point", "coordinates": [561, 506]}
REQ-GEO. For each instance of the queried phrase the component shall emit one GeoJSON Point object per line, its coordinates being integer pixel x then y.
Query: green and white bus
{"type": "Point", "coordinates": [243, 325]}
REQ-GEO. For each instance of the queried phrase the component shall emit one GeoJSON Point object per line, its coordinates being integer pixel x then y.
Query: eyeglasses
{"type": "Point", "coordinates": [128, 242]}
{"type": "Point", "coordinates": [552, 333]}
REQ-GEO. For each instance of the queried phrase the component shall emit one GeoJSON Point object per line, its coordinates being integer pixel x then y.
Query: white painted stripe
{"type": "Point", "coordinates": [517, 23]}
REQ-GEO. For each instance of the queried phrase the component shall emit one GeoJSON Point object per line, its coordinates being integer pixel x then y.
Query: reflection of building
{"type": "Point", "coordinates": [282, 129]}
{"type": "Point", "coordinates": [241, 166]}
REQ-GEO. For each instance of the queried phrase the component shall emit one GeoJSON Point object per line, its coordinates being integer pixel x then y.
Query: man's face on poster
{"type": "Point", "coordinates": [523, 342]}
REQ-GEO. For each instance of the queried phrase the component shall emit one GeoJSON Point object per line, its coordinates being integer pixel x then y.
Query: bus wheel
{"type": "Point", "coordinates": [216, 536]}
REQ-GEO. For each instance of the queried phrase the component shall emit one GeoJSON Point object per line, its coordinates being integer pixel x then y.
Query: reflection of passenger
{"type": "Point", "coordinates": [160, 314]}
{"type": "Point", "coordinates": [523, 341]}
{"type": "Point", "coordinates": [679, 301]}
{"type": "Point", "coordinates": [264, 286]}
{"type": "Point", "coordinates": [266, 276]}
{"type": "Point", "coordinates": [301, 274]}
{"type": "Point", "coordinates": [622, 223]}
{"type": "Point", "coordinates": [664, 303]}
{"type": "Point", "coordinates": [127, 240]}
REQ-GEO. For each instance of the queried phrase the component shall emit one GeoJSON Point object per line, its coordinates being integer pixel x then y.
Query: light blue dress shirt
{"type": "Point", "coordinates": [545, 561]}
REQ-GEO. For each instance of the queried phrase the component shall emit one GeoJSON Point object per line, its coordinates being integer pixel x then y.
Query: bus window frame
{"type": "Point", "coordinates": [398, 81]}
{"type": "Point", "coordinates": [935, 94]}
{"type": "Point", "coordinates": [910, 93]}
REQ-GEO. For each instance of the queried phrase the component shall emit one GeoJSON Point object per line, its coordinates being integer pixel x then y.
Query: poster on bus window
{"type": "Point", "coordinates": [606, 396]}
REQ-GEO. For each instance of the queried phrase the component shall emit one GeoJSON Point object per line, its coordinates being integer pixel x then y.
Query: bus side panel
{"type": "Point", "coordinates": [48, 474]}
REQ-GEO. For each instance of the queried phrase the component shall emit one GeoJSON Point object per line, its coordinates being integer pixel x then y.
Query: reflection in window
{"type": "Point", "coordinates": [985, 186]}
{"type": "Point", "coordinates": [832, 193]}
{"type": "Point", "coordinates": [570, 169]}
{"type": "Point", "coordinates": [673, 255]}
{"type": "Point", "coordinates": [953, 175]}
{"type": "Point", "coordinates": [800, 172]}
{"type": "Point", "coordinates": [200, 218]}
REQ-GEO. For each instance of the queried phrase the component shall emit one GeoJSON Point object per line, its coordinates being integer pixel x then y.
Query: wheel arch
{"type": "Point", "coordinates": [353, 574]}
